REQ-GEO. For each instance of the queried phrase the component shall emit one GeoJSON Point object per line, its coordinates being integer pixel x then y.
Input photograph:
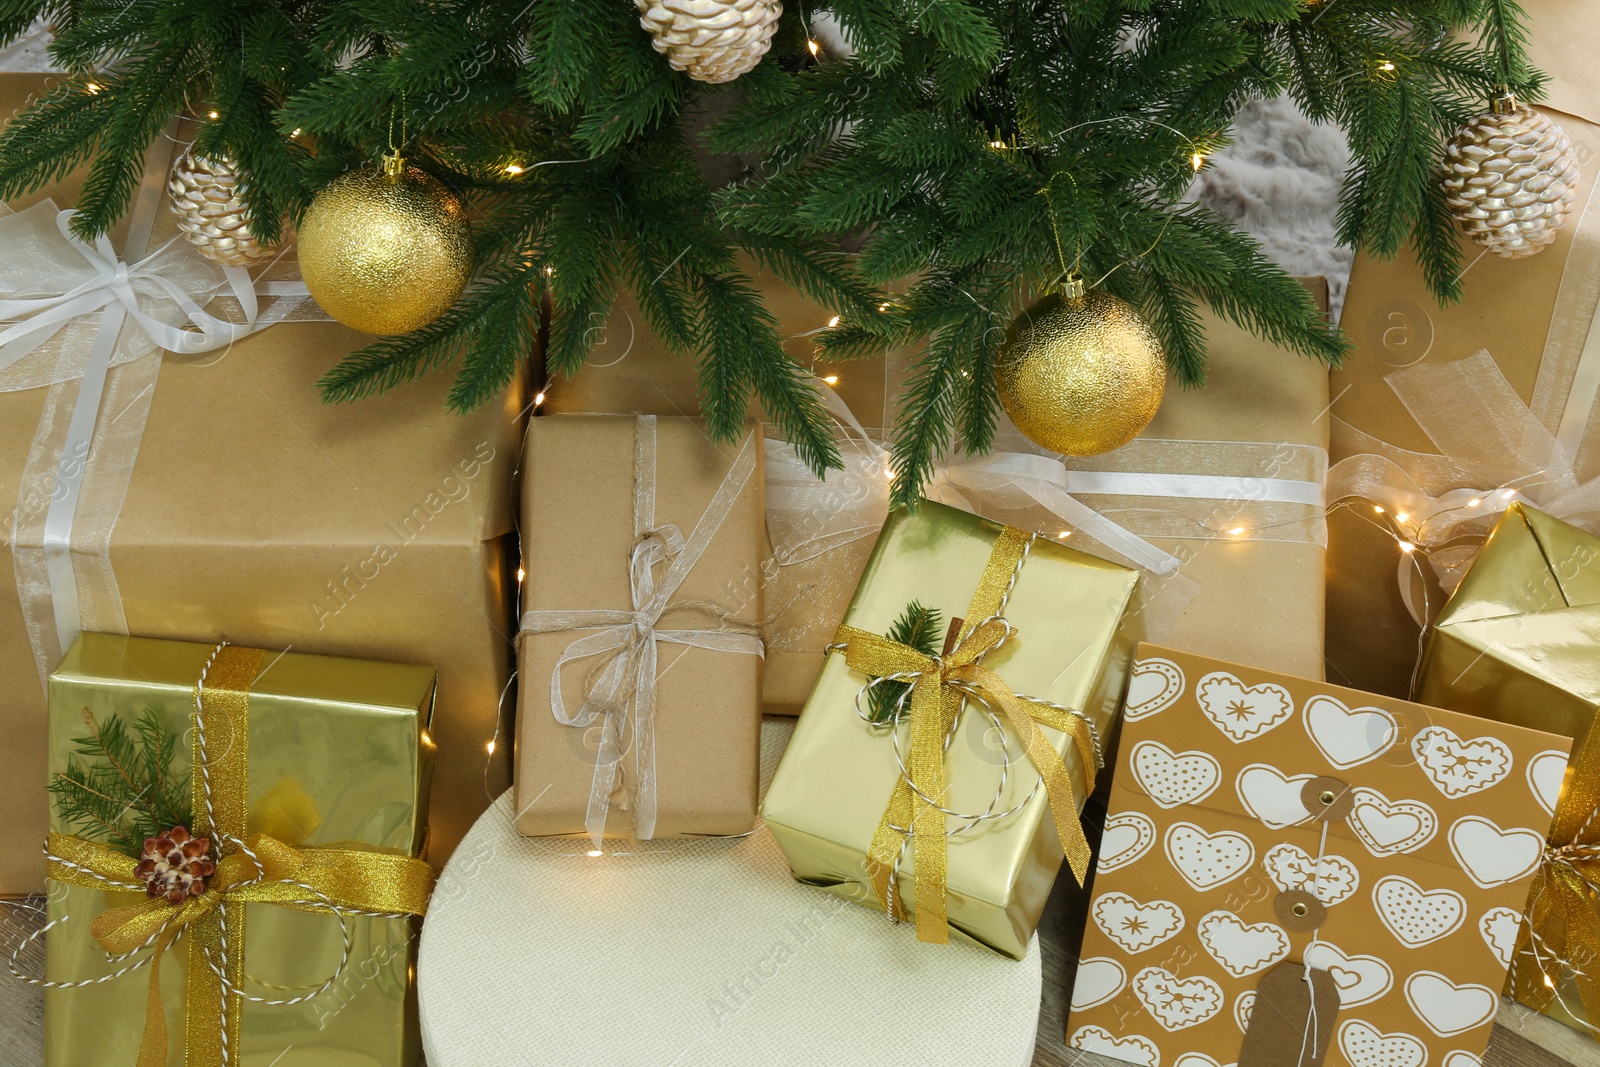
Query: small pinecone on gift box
{"type": "Point", "coordinates": [711, 40]}
{"type": "Point", "coordinates": [206, 197]}
{"type": "Point", "coordinates": [1510, 176]}
{"type": "Point", "coordinates": [175, 865]}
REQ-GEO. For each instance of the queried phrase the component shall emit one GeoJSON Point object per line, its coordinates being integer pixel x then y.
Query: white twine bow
{"type": "Point", "coordinates": [809, 517]}
{"type": "Point", "coordinates": [621, 692]}
{"type": "Point", "coordinates": [1493, 450]}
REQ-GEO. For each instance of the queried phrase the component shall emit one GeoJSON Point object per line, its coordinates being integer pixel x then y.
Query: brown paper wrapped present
{"type": "Point", "coordinates": [640, 656]}
{"type": "Point", "coordinates": [1444, 416]}
{"type": "Point", "coordinates": [220, 496]}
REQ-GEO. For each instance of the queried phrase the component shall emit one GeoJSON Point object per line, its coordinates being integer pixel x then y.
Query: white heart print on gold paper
{"type": "Point", "coordinates": [1348, 736]}
{"type": "Point", "coordinates": [1174, 778]}
{"type": "Point", "coordinates": [1128, 835]}
{"type": "Point", "coordinates": [1272, 796]}
{"type": "Point", "coordinates": [1546, 772]}
{"type": "Point", "coordinates": [1133, 925]}
{"type": "Point", "coordinates": [1292, 867]}
{"type": "Point", "coordinates": [1492, 856]}
{"type": "Point", "coordinates": [1243, 1008]}
{"type": "Point", "coordinates": [1361, 979]}
{"type": "Point", "coordinates": [1154, 685]}
{"type": "Point", "coordinates": [1462, 1059]}
{"type": "Point", "coordinates": [1130, 1049]}
{"type": "Point", "coordinates": [1208, 860]}
{"type": "Point", "coordinates": [1414, 915]}
{"type": "Point", "coordinates": [1176, 1002]}
{"type": "Point", "coordinates": [1500, 928]}
{"type": "Point", "coordinates": [1242, 948]}
{"type": "Point", "coordinates": [1199, 1059]}
{"type": "Point", "coordinates": [1388, 827]}
{"type": "Point", "coordinates": [1242, 711]}
{"type": "Point", "coordinates": [1364, 1045]}
{"type": "Point", "coordinates": [1449, 1009]}
{"type": "Point", "coordinates": [1460, 768]}
{"type": "Point", "coordinates": [1099, 979]}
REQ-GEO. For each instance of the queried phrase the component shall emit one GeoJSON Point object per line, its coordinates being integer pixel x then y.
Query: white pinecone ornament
{"type": "Point", "coordinates": [1510, 176]}
{"type": "Point", "coordinates": [711, 40]}
{"type": "Point", "coordinates": [207, 198]}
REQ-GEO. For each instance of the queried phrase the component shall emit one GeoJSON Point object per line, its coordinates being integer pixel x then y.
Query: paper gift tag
{"type": "Point", "coordinates": [1260, 825]}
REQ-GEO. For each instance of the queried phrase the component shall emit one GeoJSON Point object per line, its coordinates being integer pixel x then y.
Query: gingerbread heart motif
{"type": "Point", "coordinates": [1292, 867]}
{"type": "Point", "coordinates": [1388, 827]}
{"type": "Point", "coordinates": [1099, 979]}
{"type": "Point", "coordinates": [1242, 711]}
{"type": "Point", "coordinates": [1347, 736]}
{"type": "Point", "coordinates": [1130, 1049]}
{"type": "Point", "coordinates": [1414, 915]}
{"type": "Point", "coordinates": [1449, 1009]}
{"type": "Point", "coordinates": [1243, 1008]}
{"type": "Point", "coordinates": [1176, 1002]}
{"type": "Point", "coordinates": [1546, 772]}
{"type": "Point", "coordinates": [1208, 860]}
{"type": "Point", "coordinates": [1500, 928]}
{"type": "Point", "coordinates": [1154, 685]}
{"type": "Point", "coordinates": [1492, 856]}
{"type": "Point", "coordinates": [1128, 835]}
{"type": "Point", "coordinates": [1460, 768]}
{"type": "Point", "coordinates": [1364, 1045]}
{"type": "Point", "coordinates": [1174, 778]}
{"type": "Point", "coordinates": [1272, 796]}
{"type": "Point", "coordinates": [1241, 948]}
{"type": "Point", "coordinates": [1361, 979]}
{"type": "Point", "coordinates": [1133, 925]}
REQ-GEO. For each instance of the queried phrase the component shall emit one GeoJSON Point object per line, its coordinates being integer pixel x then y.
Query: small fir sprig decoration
{"type": "Point", "coordinates": [119, 786]}
{"type": "Point", "coordinates": [920, 627]}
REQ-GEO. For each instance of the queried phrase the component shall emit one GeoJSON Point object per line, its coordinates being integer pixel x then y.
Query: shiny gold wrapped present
{"type": "Point", "coordinates": [954, 794]}
{"type": "Point", "coordinates": [307, 777]}
{"type": "Point", "coordinates": [1518, 643]}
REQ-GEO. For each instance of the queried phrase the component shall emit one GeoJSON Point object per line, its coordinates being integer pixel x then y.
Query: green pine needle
{"type": "Point", "coordinates": [119, 786]}
{"type": "Point", "coordinates": [922, 628]}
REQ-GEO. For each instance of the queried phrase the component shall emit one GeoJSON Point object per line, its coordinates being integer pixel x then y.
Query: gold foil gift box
{"type": "Point", "coordinates": [316, 775]}
{"type": "Point", "coordinates": [1519, 642]}
{"type": "Point", "coordinates": [1005, 722]}
{"type": "Point", "coordinates": [222, 496]}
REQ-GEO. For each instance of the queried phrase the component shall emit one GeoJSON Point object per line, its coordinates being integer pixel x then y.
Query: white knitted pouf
{"type": "Point", "coordinates": [695, 953]}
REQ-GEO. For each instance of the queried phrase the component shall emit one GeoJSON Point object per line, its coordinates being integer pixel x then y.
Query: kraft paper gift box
{"type": "Point", "coordinates": [253, 510]}
{"type": "Point", "coordinates": [282, 732]}
{"type": "Point", "coordinates": [1262, 824]}
{"type": "Point", "coordinates": [632, 371]}
{"type": "Point", "coordinates": [1517, 643]}
{"type": "Point", "coordinates": [1475, 404]}
{"type": "Point", "coordinates": [1069, 646]}
{"type": "Point", "coordinates": [639, 708]}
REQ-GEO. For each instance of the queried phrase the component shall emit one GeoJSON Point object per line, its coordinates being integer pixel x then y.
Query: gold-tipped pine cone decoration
{"type": "Point", "coordinates": [206, 194]}
{"type": "Point", "coordinates": [711, 40]}
{"type": "Point", "coordinates": [1510, 176]}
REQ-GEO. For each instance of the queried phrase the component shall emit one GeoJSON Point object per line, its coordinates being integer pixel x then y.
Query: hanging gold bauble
{"type": "Point", "coordinates": [1080, 373]}
{"type": "Point", "coordinates": [385, 250]}
{"type": "Point", "coordinates": [208, 198]}
{"type": "Point", "coordinates": [1510, 176]}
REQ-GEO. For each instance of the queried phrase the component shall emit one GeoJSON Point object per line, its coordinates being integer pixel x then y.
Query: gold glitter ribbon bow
{"type": "Point", "coordinates": [258, 870]}
{"type": "Point", "coordinates": [940, 684]}
{"type": "Point", "coordinates": [1561, 932]}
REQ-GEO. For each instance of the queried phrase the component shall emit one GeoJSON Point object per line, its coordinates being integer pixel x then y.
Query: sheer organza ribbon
{"type": "Point", "coordinates": [621, 688]}
{"type": "Point", "coordinates": [91, 326]}
{"type": "Point", "coordinates": [1250, 491]}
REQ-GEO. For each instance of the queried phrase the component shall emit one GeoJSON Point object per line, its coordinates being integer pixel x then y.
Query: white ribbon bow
{"type": "Point", "coordinates": [1494, 452]}
{"type": "Point", "coordinates": [622, 690]}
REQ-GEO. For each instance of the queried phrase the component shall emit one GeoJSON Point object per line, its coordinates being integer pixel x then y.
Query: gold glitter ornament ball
{"type": "Point", "coordinates": [385, 250]}
{"type": "Point", "coordinates": [1081, 373]}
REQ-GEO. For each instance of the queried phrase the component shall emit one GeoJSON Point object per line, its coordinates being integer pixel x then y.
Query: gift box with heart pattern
{"type": "Point", "coordinates": [1377, 850]}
